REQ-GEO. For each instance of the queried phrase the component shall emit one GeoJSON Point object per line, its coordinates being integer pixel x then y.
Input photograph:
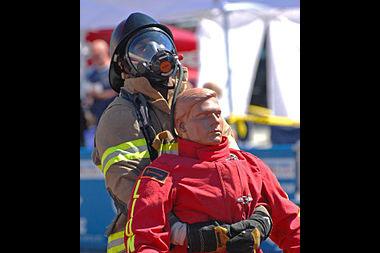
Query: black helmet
{"type": "Point", "coordinates": [135, 25]}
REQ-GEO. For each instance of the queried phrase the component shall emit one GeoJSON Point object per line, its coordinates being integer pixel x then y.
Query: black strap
{"type": "Point", "coordinates": [142, 111]}
{"type": "Point", "coordinates": [177, 88]}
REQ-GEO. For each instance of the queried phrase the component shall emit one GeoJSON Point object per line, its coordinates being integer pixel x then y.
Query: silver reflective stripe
{"type": "Point", "coordinates": [115, 243]}
{"type": "Point", "coordinates": [173, 152]}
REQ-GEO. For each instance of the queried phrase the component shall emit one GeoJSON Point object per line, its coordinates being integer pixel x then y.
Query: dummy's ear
{"type": "Point", "coordinates": [181, 127]}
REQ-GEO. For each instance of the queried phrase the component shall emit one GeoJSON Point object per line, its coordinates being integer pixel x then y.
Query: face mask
{"type": "Point", "coordinates": [152, 54]}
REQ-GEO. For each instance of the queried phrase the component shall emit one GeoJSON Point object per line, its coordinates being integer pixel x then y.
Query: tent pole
{"type": "Point", "coordinates": [226, 26]}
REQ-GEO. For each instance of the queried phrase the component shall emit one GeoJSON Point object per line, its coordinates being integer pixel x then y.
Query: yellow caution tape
{"type": "Point", "coordinates": [262, 115]}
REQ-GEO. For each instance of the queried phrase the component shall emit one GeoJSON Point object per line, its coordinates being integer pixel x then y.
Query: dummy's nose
{"type": "Point", "coordinates": [215, 118]}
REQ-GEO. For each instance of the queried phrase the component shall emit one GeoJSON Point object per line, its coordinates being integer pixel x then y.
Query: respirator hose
{"type": "Point", "coordinates": [177, 88]}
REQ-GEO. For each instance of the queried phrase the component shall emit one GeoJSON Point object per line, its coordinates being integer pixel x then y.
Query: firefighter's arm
{"type": "Point", "coordinates": [285, 214]}
{"type": "Point", "coordinates": [121, 151]}
{"type": "Point", "coordinates": [147, 229]}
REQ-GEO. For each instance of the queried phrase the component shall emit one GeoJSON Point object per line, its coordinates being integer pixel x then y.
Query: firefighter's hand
{"type": "Point", "coordinates": [246, 235]}
{"type": "Point", "coordinates": [246, 241]}
{"type": "Point", "coordinates": [206, 237]}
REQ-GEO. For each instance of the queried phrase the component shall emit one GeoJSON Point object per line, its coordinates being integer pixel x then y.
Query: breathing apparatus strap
{"type": "Point", "coordinates": [141, 107]}
{"type": "Point", "coordinates": [177, 88]}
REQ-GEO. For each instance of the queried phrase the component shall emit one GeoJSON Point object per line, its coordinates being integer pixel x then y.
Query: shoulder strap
{"type": "Point", "coordinates": [141, 107]}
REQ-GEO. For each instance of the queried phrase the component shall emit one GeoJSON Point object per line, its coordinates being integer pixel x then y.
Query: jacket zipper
{"type": "Point", "coordinates": [243, 199]}
{"type": "Point", "coordinates": [226, 201]}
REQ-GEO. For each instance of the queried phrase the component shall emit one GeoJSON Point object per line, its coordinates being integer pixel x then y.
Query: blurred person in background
{"type": "Point", "coordinates": [208, 180]}
{"type": "Point", "coordinates": [136, 127]}
{"type": "Point", "coordinates": [99, 93]}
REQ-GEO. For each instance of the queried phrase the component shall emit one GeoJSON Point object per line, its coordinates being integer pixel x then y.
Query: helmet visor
{"type": "Point", "coordinates": [145, 45]}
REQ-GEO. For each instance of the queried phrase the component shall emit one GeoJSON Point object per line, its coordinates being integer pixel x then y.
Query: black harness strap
{"type": "Point", "coordinates": [142, 111]}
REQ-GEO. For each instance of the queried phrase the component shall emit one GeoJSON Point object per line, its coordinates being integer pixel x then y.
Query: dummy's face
{"type": "Point", "coordinates": [204, 123]}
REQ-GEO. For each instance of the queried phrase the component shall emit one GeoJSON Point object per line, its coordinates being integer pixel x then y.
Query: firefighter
{"type": "Point", "coordinates": [207, 180]}
{"type": "Point", "coordinates": [146, 73]}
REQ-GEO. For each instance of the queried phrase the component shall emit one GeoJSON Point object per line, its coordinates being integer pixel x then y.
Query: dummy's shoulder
{"type": "Point", "coordinates": [243, 154]}
{"type": "Point", "coordinates": [155, 173]}
{"type": "Point", "coordinates": [254, 162]}
{"type": "Point", "coordinates": [160, 169]}
{"type": "Point", "coordinates": [167, 162]}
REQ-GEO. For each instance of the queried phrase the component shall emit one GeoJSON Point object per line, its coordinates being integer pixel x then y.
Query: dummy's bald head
{"type": "Point", "coordinates": [190, 97]}
{"type": "Point", "coordinates": [197, 116]}
{"type": "Point", "coordinates": [214, 87]}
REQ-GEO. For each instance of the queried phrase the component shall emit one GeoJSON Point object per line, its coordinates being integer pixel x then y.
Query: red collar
{"type": "Point", "coordinates": [203, 152]}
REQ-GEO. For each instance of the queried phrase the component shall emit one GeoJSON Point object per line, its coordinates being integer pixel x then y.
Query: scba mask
{"type": "Point", "coordinates": [151, 53]}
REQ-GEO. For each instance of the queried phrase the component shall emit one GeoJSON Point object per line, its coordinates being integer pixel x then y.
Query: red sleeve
{"type": "Point", "coordinates": [148, 228]}
{"type": "Point", "coordinates": [285, 214]}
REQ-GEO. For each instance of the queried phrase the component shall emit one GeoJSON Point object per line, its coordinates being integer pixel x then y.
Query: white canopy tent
{"type": "Point", "coordinates": [238, 24]}
{"type": "Point", "coordinates": [235, 70]}
{"type": "Point", "coordinates": [99, 14]}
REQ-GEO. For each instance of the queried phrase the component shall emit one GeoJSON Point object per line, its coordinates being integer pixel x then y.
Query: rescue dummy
{"type": "Point", "coordinates": [146, 73]}
{"type": "Point", "coordinates": [206, 181]}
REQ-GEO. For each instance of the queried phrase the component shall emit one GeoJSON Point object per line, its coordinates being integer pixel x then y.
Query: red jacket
{"type": "Point", "coordinates": [203, 183]}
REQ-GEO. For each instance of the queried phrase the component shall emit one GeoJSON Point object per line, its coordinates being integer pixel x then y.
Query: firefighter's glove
{"type": "Point", "coordinates": [246, 241]}
{"type": "Point", "coordinates": [247, 235]}
{"type": "Point", "coordinates": [206, 237]}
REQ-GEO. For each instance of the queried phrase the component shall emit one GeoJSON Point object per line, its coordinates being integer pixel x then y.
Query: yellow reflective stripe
{"type": "Point", "coordinates": [128, 226]}
{"type": "Point", "coordinates": [124, 146]}
{"type": "Point", "coordinates": [126, 157]}
{"type": "Point", "coordinates": [135, 196]}
{"type": "Point", "coordinates": [169, 148]}
{"type": "Point", "coordinates": [131, 243]}
{"type": "Point", "coordinates": [116, 236]}
{"type": "Point", "coordinates": [133, 206]}
{"type": "Point", "coordinates": [116, 249]}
